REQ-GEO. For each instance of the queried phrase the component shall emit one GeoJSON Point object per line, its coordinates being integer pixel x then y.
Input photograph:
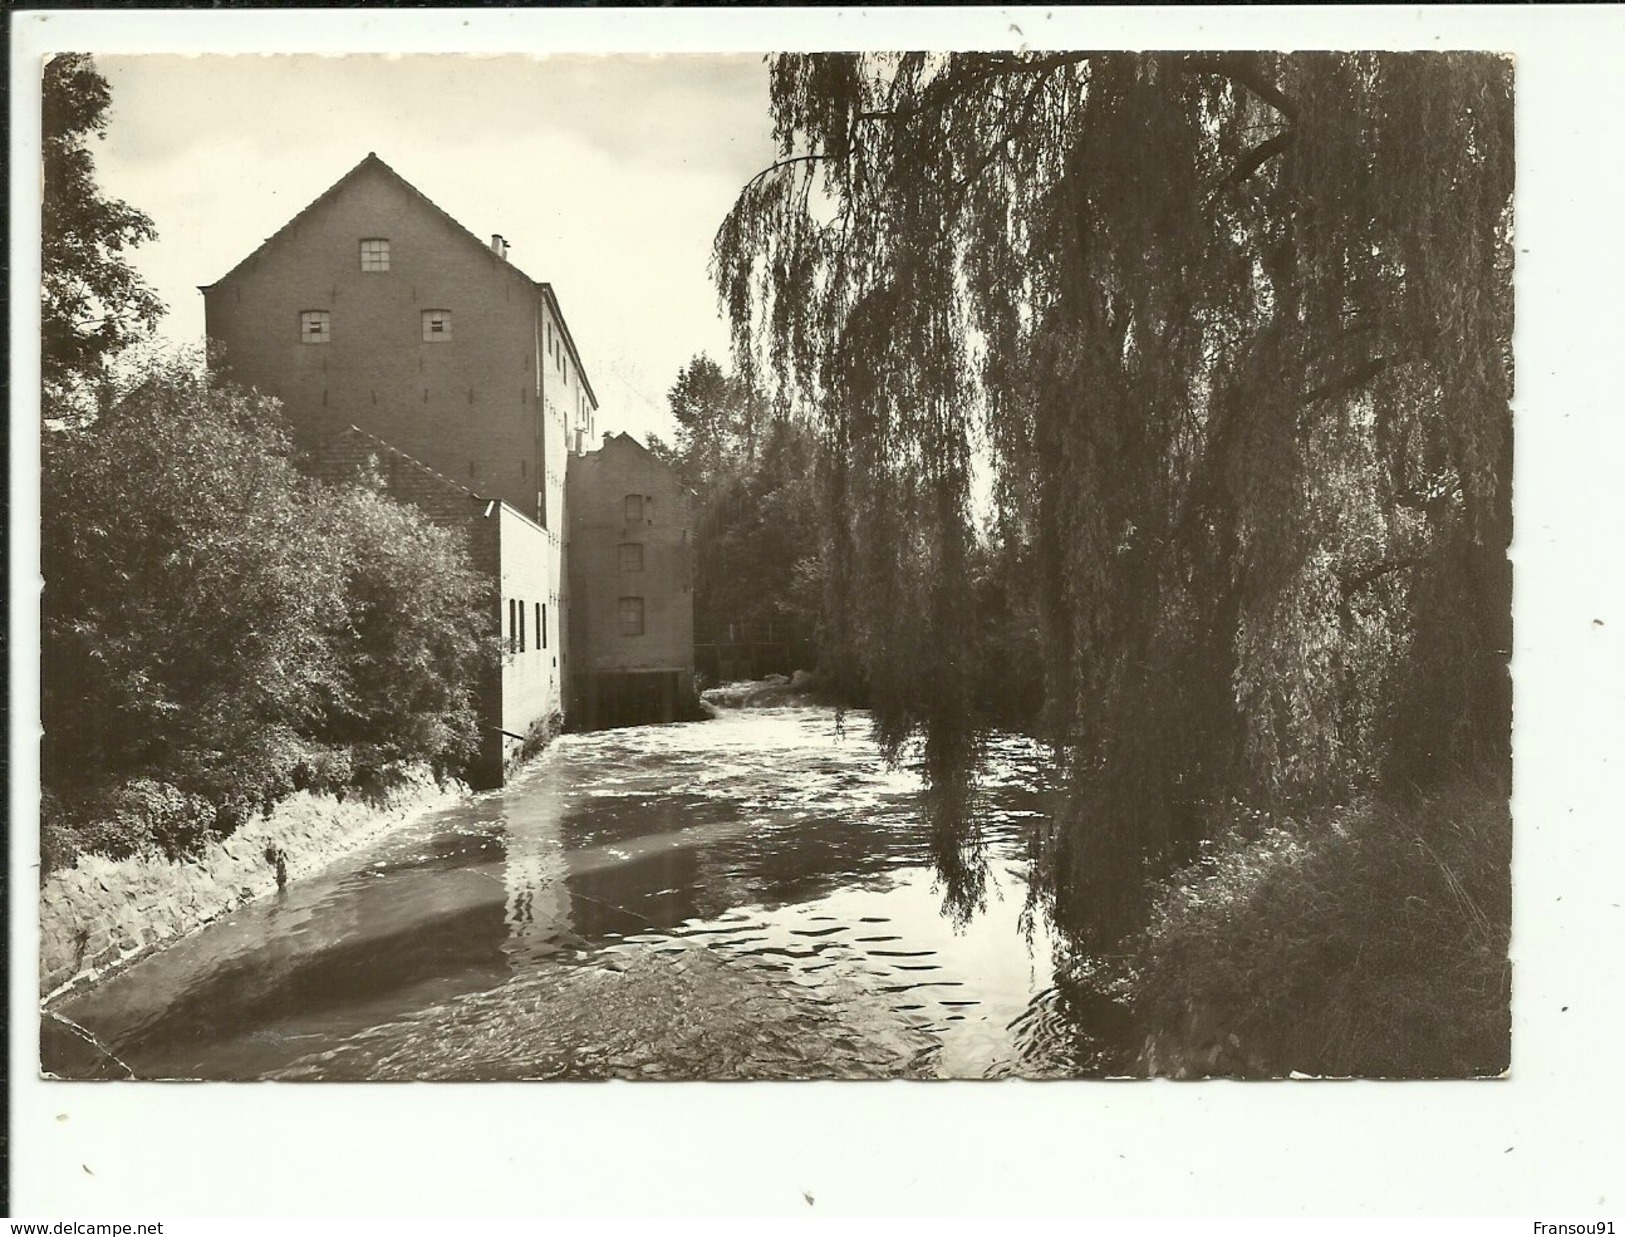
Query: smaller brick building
{"type": "Point", "coordinates": [520, 699]}
{"type": "Point", "coordinates": [630, 562]}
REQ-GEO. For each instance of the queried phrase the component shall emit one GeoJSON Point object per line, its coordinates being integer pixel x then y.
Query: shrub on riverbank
{"type": "Point", "coordinates": [1372, 943]}
{"type": "Point", "coordinates": [414, 629]}
{"type": "Point", "coordinates": [218, 631]}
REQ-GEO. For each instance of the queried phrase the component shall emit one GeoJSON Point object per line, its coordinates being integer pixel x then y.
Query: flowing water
{"type": "Point", "coordinates": [744, 897]}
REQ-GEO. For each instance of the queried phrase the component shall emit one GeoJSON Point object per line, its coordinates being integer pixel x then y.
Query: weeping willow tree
{"type": "Point", "coordinates": [1231, 333]}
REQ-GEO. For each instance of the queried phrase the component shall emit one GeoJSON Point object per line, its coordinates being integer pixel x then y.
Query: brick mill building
{"type": "Point", "coordinates": [387, 328]}
{"type": "Point", "coordinates": [631, 570]}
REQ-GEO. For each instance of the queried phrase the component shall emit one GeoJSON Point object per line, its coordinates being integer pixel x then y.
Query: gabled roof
{"type": "Point", "coordinates": [627, 441]}
{"type": "Point", "coordinates": [624, 438]}
{"type": "Point", "coordinates": [373, 163]}
{"type": "Point", "coordinates": [348, 453]}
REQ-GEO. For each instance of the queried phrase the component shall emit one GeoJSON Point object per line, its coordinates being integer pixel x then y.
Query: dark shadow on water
{"type": "Point", "coordinates": [271, 984]}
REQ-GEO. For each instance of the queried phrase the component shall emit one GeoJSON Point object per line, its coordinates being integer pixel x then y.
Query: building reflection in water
{"type": "Point", "coordinates": [536, 910]}
{"type": "Point", "coordinates": [632, 863]}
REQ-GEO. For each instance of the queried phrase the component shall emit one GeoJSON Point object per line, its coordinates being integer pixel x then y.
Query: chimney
{"type": "Point", "coordinates": [499, 246]}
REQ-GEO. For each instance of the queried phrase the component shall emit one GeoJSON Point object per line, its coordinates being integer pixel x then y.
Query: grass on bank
{"type": "Point", "coordinates": [1370, 944]}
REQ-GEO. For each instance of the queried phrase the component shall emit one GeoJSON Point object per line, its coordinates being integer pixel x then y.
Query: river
{"type": "Point", "coordinates": [746, 897]}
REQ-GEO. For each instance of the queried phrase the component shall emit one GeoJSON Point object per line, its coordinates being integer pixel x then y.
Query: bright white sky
{"type": "Point", "coordinates": [608, 175]}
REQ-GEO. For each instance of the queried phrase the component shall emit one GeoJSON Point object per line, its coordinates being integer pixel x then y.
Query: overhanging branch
{"type": "Point", "coordinates": [944, 90]}
{"type": "Point", "coordinates": [1256, 158]}
{"type": "Point", "coordinates": [779, 166]}
{"type": "Point", "coordinates": [1356, 377]}
{"type": "Point", "coordinates": [1243, 69]}
{"type": "Point", "coordinates": [1354, 581]}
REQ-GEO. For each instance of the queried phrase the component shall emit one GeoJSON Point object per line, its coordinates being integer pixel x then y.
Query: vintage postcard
{"type": "Point", "coordinates": [930, 562]}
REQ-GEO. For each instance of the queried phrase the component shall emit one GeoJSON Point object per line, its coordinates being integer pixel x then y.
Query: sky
{"type": "Point", "coordinates": [607, 174]}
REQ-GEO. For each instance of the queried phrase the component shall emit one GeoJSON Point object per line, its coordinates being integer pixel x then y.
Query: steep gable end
{"type": "Point", "coordinates": [374, 167]}
{"type": "Point", "coordinates": [625, 442]}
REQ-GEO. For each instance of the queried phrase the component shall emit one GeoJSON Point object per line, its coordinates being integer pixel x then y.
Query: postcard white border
{"type": "Point", "coordinates": [1549, 1141]}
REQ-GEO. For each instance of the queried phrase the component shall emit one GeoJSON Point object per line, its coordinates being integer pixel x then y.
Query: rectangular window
{"type": "Point", "coordinates": [523, 643]}
{"type": "Point", "coordinates": [513, 625]}
{"type": "Point", "coordinates": [541, 626]}
{"type": "Point", "coordinates": [631, 616]}
{"type": "Point", "coordinates": [634, 506]}
{"type": "Point", "coordinates": [375, 254]}
{"type": "Point", "coordinates": [436, 325]}
{"type": "Point", "coordinates": [315, 326]}
{"type": "Point", "coordinates": [632, 556]}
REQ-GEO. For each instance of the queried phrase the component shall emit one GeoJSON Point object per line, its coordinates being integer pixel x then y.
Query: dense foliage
{"type": "Point", "coordinates": [1369, 945]}
{"type": "Point", "coordinates": [92, 302]}
{"type": "Point", "coordinates": [1232, 332]}
{"type": "Point", "coordinates": [218, 630]}
{"type": "Point", "coordinates": [758, 531]}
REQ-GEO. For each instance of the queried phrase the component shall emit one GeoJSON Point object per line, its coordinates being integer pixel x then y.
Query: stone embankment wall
{"type": "Point", "coordinates": [103, 913]}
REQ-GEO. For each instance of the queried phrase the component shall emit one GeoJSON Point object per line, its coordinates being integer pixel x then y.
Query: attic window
{"type": "Point", "coordinates": [634, 506]}
{"type": "Point", "coordinates": [315, 326]}
{"type": "Point", "coordinates": [375, 254]}
{"type": "Point", "coordinates": [436, 325]}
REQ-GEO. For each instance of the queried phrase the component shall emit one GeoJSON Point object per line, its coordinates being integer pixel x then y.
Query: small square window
{"type": "Point", "coordinates": [631, 616]}
{"type": "Point", "coordinates": [315, 326]}
{"type": "Point", "coordinates": [634, 506]}
{"type": "Point", "coordinates": [436, 325]}
{"type": "Point", "coordinates": [632, 556]}
{"type": "Point", "coordinates": [375, 254]}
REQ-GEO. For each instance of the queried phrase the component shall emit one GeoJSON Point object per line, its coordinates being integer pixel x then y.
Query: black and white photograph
{"type": "Point", "coordinates": [923, 565]}
{"type": "Point", "coordinates": [915, 563]}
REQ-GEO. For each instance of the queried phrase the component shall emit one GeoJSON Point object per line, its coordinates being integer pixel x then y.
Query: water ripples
{"type": "Point", "coordinates": [747, 897]}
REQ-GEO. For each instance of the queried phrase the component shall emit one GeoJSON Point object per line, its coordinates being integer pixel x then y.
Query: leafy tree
{"type": "Point", "coordinates": [1234, 330]}
{"type": "Point", "coordinates": [218, 630]}
{"type": "Point", "coordinates": [758, 530]}
{"type": "Point", "coordinates": [92, 303]}
{"type": "Point", "coordinates": [718, 420]}
{"type": "Point", "coordinates": [187, 597]}
{"type": "Point", "coordinates": [415, 640]}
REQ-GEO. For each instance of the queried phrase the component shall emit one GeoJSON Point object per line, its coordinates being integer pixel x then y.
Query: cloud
{"type": "Point", "coordinates": [668, 110]}
{"type": "Point", "coordinates": [608, 174]}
